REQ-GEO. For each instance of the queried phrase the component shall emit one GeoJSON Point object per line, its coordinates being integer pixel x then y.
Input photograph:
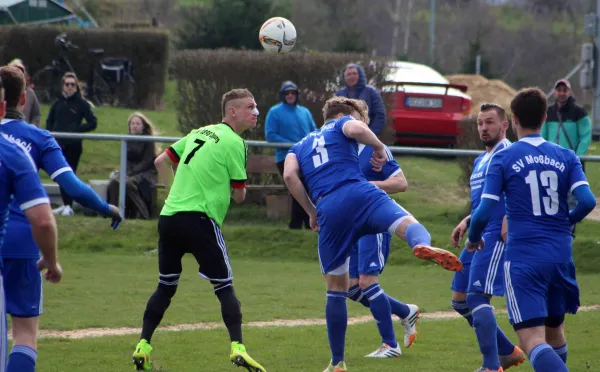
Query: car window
{"type": "Point", "coordinates": [416, 74]}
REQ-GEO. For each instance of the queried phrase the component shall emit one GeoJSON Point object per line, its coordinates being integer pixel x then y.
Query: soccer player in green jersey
{"type": "Point", "coordinates": [211, 171]}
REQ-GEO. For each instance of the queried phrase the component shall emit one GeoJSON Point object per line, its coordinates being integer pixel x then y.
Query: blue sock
{"type": "Point", "coordinates": [21, 359]}
{"type": "Point", "coordinates": [336, 316]}
{"type": "Point", "coordinates": [417, 234]}
{"type": "Point", "coordinates": [505, 346]}
{"type": "Point", "coordinates": [543, 359]}
{"type": "Point", "coordinates": [355, 294]}
{"type": "Point", "coordinates": [484, 323]}
{"type": "Point", "coordinates": [562, 352]}
{"type": "Point", "coordinates": [399, 309]}
{"type": "Point", "coordinates": [462, 308]}
{"type": "Point", "coordinates": [382, 312]}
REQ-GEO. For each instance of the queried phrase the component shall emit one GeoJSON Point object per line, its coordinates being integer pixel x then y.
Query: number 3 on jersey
{"type": "Point", "coordinates": [322, 157]}
{"type": "Point", "coordinates": [549, 181]}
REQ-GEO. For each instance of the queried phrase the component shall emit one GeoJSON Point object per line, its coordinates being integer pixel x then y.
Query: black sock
{"type": "Point", "coordinates": [155, 309]}
{"type": "Point", "coordinates": [231, 309]}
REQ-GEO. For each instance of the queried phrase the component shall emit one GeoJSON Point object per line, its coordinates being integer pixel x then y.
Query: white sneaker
{"type": "Point", "coordinates": [58, 210]}
{"type": "Point", "coordinates": [67, 211]}
{"type": "Point", "coordinates": [410, 325]}
{"type": "Point", "coordinates": [386, 351]}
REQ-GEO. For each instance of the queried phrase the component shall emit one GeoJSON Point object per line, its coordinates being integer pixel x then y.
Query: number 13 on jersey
{"type": "Point", "coordinates": [549, 181]}
{"type": "Point", "coordinates": [321, 157]}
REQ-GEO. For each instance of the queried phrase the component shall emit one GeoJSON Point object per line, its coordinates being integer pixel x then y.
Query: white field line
{"type": "Point", "coordinates": [102, 332]}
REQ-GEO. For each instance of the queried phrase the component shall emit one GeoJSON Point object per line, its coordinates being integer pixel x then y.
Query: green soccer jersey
{"type": "Point", "coordinates": [212, 160]}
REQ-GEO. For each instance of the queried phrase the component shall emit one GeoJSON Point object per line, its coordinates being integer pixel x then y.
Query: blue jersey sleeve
{"type": "Point", "coordinates": [53, 160]}
{"type": "Point", "coordinates": [339, 124]}
{"type": "Point", "coordinates": [494, 179]}
{"type": "Point", "coordinates": [27, 188]}
{"type": "Point", "coordinates": [576, 175]}
{"type": "Point", "coordinates": [391, 168]}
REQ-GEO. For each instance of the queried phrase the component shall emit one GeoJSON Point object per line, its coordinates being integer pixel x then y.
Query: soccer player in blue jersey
{"type": "Point", "coordinates": [368, 258]}
{"type": "Point", "coordinates": [483, 275]}
{"type": "Point", "coordinates": [23, 284]}
{"type": "Point", "coordinates": [20, 186]}
{"type": "Point", "coordinates": [536, 178]}
{"type": "Point", "coordinates": [348, 207]}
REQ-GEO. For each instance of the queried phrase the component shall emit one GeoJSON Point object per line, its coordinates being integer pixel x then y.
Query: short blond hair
{"type": "Point", "coordinates": [233, 95]}
{"type": "Point", "coordinates": [346, 106]}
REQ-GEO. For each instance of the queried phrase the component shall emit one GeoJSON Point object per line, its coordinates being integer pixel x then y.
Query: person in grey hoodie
{"type": "Point", "coordinates": [357, 88]}
{"type": "Point", "coordinates": [289, 122]}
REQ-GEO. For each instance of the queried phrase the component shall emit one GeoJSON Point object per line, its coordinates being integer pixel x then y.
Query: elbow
{"type": "Point", "coordinates": [288, 177]}
{"type": "Point", "coordinates": [402, 186]}
{"type": "Point", "coordinates": [43, 221]}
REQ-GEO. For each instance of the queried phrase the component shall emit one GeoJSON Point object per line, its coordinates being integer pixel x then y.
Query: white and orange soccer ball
{"type": "Point", "coordinates": [277, 35]}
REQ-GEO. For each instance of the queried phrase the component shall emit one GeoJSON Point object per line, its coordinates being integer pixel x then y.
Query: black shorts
{"type": "Point", "coordinates": [195, 233]}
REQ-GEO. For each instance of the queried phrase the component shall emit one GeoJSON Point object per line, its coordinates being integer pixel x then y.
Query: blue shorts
{"type": "Point", "coordinates": [540, 290]}
{"type": "Point", "coordinates": [344, 215]}
{"type": "Point", "coordinates": [23, 287]}
{"type": "Point", "coordinates": [370, 254]}
{"type": "Point", "coordinates": [483, 270]}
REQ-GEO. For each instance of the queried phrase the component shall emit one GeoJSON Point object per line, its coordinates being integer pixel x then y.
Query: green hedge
{"type": "Point", "coordinates": [204, 75]}
{"type": "Point", "coordinates": [147, 49]}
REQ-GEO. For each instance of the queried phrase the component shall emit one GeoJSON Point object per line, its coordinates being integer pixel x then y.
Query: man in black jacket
{"type": "Point", "coordinates": [67, 115]}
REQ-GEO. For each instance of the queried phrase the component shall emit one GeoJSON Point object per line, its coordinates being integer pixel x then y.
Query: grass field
{"type": "Point", "coordinates": [109, 276]}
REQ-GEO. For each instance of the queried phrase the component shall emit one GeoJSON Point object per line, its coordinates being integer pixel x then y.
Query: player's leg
{"type": "Point", "coordinates": [526, 298]}
{"type": "Point", "coordinates": [354, 291]}
{"type": "Point", "coordinates": [23, 294]}
{"type": "Point", "coordinates": [3, 326]}
{"type": "Point", "coordinates": [460, 284]}
{"type": "Point", "coordinates": [555, 336]}
{"type": "Point", "coordinates": [214, 265]}
{"type": "Point", "coordinates": [486, 279]}
{"type": "Point", "coordinates": [563, 298]}
{"type": "Point", "coordinates": [387, 215]}
{"type": "Point", "coordinates": [169, 267]}
{"type": "Point", "coordinates": [336, 315]}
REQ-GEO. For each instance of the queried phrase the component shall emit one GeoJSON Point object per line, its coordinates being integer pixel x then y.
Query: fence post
{"type": "Point", "coordinates": [123, 177]}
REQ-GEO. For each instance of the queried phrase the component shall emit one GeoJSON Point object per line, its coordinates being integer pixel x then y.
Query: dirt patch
{"type": "Point", "coordinates": [483, 90]}
{"type": "Point", "coordinates": [103, 332]}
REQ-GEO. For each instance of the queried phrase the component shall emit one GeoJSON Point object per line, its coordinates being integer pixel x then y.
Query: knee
{"type": "Point", "coordinates": [365, 281]}
{"type": "Point", "coordinates": [477, 301]}
{"type": "Point", "coordinates": [167, 285]}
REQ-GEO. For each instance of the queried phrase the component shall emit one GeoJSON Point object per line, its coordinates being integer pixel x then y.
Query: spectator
{"type": "Point", "coordinates": [141, 173]}
{"type": "Point", "coordinates": [568, 124]}
{"type": "Point", "coordinates": [67, 115]}
{"type": "Point", "coordinates": [289, 122]}
{"type": "Point", "coordinates": [31, 110]}
{"type": "Point", "coordinates": [356, 87]}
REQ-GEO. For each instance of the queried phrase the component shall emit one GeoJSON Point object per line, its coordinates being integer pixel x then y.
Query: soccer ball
{"type": "Point", "coordinates": [277, 35]}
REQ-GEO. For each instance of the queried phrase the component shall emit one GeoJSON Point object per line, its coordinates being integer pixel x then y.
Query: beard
{"type": "Point", "coordinates": [491, 142]}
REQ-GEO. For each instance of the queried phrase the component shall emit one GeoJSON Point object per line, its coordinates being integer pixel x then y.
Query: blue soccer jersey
{"type": "Point", "coordinates": [328, 158]}
{"type": "Point", "coordinates": [389, 169]}
{"type": "Point", "coordinates": [536, 177]}
{"type": "Point", "coordinates": [490, 260]}
{"type": "Point", "coordinates": [477, 180]}
{"type": "Point", "coordinates": [46, 155]}
{"type": "Point", "coordinates": [19, 182]}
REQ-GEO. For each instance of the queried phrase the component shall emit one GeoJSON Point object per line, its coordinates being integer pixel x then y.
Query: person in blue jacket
{"type": "Point", "coordinates": [357, 88]}
{"type": "Point", "coordinates": [289, 122]}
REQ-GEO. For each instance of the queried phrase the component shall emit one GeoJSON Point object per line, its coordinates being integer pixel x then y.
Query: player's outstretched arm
{"type": "Point", "coordinates": [291, 177]}
{"type": "Point", "coordinates": [392, 185]}
{"type": "Point", "coordinates": [164, 166]}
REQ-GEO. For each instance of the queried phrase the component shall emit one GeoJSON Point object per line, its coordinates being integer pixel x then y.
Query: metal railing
{"type": "Point", "coordinates": [251, 143]}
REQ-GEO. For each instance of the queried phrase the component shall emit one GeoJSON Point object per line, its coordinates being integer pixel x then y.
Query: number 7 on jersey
{"type": "Point", "coordinates": [321, 157]}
